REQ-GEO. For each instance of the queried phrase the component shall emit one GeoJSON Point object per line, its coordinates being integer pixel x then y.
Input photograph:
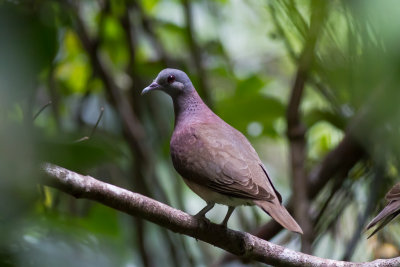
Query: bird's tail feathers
{"type": "Point", "coordinates": [384, 217]}
{"type": "Point", "coordinates": [279, 213]}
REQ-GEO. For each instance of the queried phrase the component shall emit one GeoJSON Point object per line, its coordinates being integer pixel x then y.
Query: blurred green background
{"type": "Point", "coordinates": [242, 57]}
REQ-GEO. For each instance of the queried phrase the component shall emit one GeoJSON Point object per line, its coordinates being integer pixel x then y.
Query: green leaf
{"type": "Point", "coordinates": [78, 156]}
{"type": "Point", "coordinates": [114, 42]}
{"type": "Point", "coordinates": [251, 85]}
{"type": "Point", "coordinates": [101, 220]}
{"type": "Point", "coordinates": [240, 110]}
{"type": "Point", "coordinates": [28, 46]}
{"type": "Point", "coordinates": [316, 115]}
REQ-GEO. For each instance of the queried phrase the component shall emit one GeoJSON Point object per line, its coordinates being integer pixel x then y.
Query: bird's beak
{"type": "Point", "coordinates": [151, 87]}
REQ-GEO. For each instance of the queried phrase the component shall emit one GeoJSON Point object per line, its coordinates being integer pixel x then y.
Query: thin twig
{"type": "Point", "coordinates": [374, 186]}
{"type": "Point", "coordinates": [281, 31]}
{"type": "Point", "coordinates": [93, 129]}
{"type": "Point", "coordinates": [54, 95]}
{"type": "Point", "coordinates": [40, 110]}
{"type": "Point", "coordinates": [97, 122]}
{"type": "Point", "coordinates": [289, 47]}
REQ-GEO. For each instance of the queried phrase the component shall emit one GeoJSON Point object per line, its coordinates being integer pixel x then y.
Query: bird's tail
{"type": "Point", "coordinates": [384, 217]}
{"type": "Point", "coordinates": [280, 214]}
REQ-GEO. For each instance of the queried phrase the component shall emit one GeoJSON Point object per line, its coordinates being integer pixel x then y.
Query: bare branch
{"type": "Point", "coordinates": [40, 110]}
{"type": "Point", "coordinates": [133, 128]}
{"type": "Point", "coordinates": [238, 243]}
{"type": "Point", "coordinates": [93, 129]}
{"type": "Point", "coordinates": [375, 185]}
{"type": "Point", "coordinates": [97, 122]}
{"type": "Point", "coordinates": [336, 163]}
{"type": "Point", "coordinates": [296, 130]}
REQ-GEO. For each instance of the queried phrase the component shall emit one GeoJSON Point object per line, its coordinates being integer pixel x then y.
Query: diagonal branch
{"type": "Point", "coordinates": [336, 164]}
{"type": "Point", "coordinates": [238, 243]}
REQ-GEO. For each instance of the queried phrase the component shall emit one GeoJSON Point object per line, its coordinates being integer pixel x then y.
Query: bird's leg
{"type": "Point", "coordinates": [202, 213]}
{"type": "Point", "coordinates": [227, 216]}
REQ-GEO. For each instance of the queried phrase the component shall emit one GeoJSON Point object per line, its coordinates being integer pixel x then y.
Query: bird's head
{"type": "Point", "coordinates": [172, 81]}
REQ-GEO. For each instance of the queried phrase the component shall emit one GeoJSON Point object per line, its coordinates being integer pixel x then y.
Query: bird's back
{"type": "Point", "coordinates": [213, 156]}
{"type": "Point", "coordinates": [210, 151]}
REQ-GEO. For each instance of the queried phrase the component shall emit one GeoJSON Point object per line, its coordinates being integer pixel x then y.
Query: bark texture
{"type": "Point", "coordinates": [236, 242]}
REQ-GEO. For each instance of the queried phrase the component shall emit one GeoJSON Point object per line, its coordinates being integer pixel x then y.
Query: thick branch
{"type": "Point", "coordinates": [238, 243]}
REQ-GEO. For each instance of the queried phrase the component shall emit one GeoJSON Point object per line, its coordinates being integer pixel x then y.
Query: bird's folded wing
{"type": "Point", "coordinates": [384, 217]}
{"type": "Point", "coordinates": [394, 193]}
{"type": "Point", "coordinates": [390, 209]}
{"type": "Point", "coordinates": [213, 156]}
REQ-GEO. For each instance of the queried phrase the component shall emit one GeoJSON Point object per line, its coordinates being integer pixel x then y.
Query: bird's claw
{"type": "Point", "coordinates": [203, 220]}
{"type": "Point", "coordinates": [224, 224]}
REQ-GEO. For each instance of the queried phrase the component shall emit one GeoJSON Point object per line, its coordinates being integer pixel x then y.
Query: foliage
{"type": "Point", "coordinates": [242, 57]}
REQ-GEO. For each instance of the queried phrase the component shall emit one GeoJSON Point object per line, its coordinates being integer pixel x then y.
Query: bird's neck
{"type": "Point", "coordinates": [189, 106]}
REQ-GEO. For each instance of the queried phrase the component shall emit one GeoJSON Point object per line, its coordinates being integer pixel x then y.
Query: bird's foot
{"type": "Point", "coordinates": [201, 215]}
{"type": "Point", "coordinates": [202, 218]}
{"type": "Point", "coordinates": [224, 224]}
{"type": "Point", "coordinates": [227, 216]}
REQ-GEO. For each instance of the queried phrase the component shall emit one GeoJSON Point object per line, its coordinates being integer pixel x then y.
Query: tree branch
{"type": "Point", "coordinates": [296, 131]}
{"type": "Point", "coordinates": [196, 53]}
{"type": "Point", "coordinates": [133, 128]}
{"type": "Point", "coordinates": [238, 243]}
{"type": "Point", "coordinates": [336, 164]}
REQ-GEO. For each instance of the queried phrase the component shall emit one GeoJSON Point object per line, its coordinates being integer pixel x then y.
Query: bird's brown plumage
{"type": "Point", "coordinates": [216, 155]}
{"type": "Point", "coordinates": [216, 160]}
{"type": "Point", "coordinates": [391, 210]}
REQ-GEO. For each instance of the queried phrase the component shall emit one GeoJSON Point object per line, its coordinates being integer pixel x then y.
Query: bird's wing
{"type": "Point", "coordinates": [384, 217]}
{"type": "Point", "coordinates": [251, 157]}
{"type": "Point", "coordinates": [394, 193]}
{"type": "Point", "coordinates": [391, 210]}
{"type": "Point", "coordinates": [215, 156]}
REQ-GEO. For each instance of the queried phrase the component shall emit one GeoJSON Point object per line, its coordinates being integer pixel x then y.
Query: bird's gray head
{"type": "Point", "coordinates": [172, 81]}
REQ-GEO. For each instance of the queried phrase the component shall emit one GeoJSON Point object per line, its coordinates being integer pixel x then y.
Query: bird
{"type": "Point", "coordinates": [389, 212]}
{"type": "Point", "coordinates": [215, 160]}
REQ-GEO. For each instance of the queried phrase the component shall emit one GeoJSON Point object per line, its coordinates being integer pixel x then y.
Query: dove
{"type": "Point", "coordinates": [215, 160]}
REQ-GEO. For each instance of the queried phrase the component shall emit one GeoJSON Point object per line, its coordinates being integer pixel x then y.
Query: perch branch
{"type": "Point", "coordinates": [238, 243]}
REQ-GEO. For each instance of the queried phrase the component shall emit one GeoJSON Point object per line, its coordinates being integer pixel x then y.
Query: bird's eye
{"type": "Point", "coordinates": [171, 78]}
